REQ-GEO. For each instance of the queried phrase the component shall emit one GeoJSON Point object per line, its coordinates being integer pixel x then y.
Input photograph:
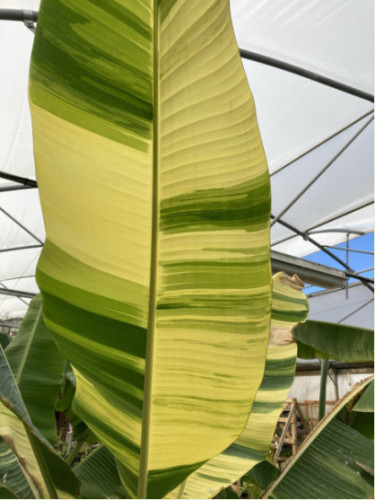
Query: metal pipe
{"type": "Point", "coordinates": [356, 310]}
{"type": "Point", "coordinates": [363, 278]}
{"type": "Point", "coordinates": [18, 15]}
{"type": "Point", "coordinates": [310, 230]}
{"type": "Point", "coordinates": [17, 293]}
{"type": "Point", "coordinates": [350, 231]}
{"type": "Point", "coordinates": [347, 263]}
{"type": "Point", "coordinates": [350, 249]}
{"type": "Point", "coordinates": [291, 68]}
{"type": "Point", "coordinates": [365, 270]}
{"type": "Point", "coordinates": [6, 289]}
{"type": "Point", "coordinates": [323, 387]}
{"type": "Point", "coordinates": [321, 172]}
{"type": "Point", "coordinates": [20, 180]}
{"type": "Point", "coordinates": [13, 188]}
{"type": "Point", "coordinates": [332, 136]}
{"type": "Point", "coordinates": [28, 247]}
{"type": "Point", "coordinates": [306, 237]}
{"type": "Point", "coordinates": [21, 225]}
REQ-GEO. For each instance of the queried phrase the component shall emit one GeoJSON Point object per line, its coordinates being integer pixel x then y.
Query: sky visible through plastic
{"type": "Point", "coordinates": [357, 261]}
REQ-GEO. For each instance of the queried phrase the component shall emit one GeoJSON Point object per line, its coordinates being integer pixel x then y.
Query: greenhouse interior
{"type": "Point", "coordinates": [147, 352]}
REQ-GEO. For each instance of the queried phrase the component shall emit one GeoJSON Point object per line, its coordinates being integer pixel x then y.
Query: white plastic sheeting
{"type": "Point", "coordinates": [353, 307]}
{"type": "Point", "coordinates": [307, 387]}
{"type": "Point", "coordinates": [333, 38]}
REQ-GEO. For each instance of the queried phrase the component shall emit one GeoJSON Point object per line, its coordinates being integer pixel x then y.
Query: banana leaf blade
{"type": "Point", "coordinates": [37, 365]}
{"type": "Point", "coordinates": [366, 401]}
{"type": "Point", "coordinates": [146, 106]}
{"type": "Point", "coordinates": [289, 306]}
{"type": "Point", "coordinates": [6, 492]}
{"type": "Point", "coordinates": [318, 339]}
{"type": "Point", "coordinates": [11, 474]}
{"type": "Point", "coordinates": [98, 475]}
{"type": "Point", "coordinates": [333, 462]}
{"type": "Point", "coordinates": [43, 468]}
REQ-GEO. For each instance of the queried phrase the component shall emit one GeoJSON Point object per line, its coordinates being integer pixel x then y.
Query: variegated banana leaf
{"type": "Point", "coordinates": [335, 461]}
{"type": "Point", "coordinates": [37, 364]}
{"type": "Point", "coordinates": [11, 474]}
{"type": "Point", "coordinates": [289, 307]}
{"type": "Point", "coordinates": [44, 471]}
{"type": "Point", "coordinates": [155, 274]}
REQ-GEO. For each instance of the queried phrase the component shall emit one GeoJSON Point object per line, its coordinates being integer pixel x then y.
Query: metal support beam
{"type": "Point", "coordinates": [18, 15]}
{"type": "Point", "coordinates": [6, 289]}
{"type": "Point", "coordinates": [349, 249]}
{"type": "Point", "coordinates": [321, 172]}
{"type": "Point", "coordinates": [13, 249]}
{"type": "Point", "coordinates": [327, 139]}
{"type": "Point", "coordinates": [20, 180]}
{"type": "Point", "coordinates": [309, 272]}
{"type": "Point", "coordinates": [17, 293]}
{"type": "Point", "coordinates": [291, 68]}
{"type": "Point", "coordinates": [28, 17]}
{"type": "Point", "coordinates": [307, 237]}
{"type": "Point", "coordinates": [4, 189]}
{"type": "Point", "coordinates": [356, 310]}
{"type": "Point", "coordinates": [314, 230]}
{"type": "Point", "coordinates": [350, 231]}
{"type": "Point", "coordinates": [20, 225]}
{"type": "Point", "coordinates": [16, 278]}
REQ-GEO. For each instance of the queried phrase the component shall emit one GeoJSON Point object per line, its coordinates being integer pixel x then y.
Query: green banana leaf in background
{"type": "Point", "coordinates": [289, 307]}
{"type": "Point", "coordinates": [44, 471]}
{"type": "Point", "coordinates": [5, 340]}
{"type": "Point", "coordinates": [99, 476]}
{"type": "Point", "coordinates": [37, 365]}
{"type": "Point", "coordinates": [335, 461]}
{"type": "Point", "coordinates": [366, 402]}
{"type": "Point", "coordinates": [318, 339]}
{"type": "Point", "coordinates": [155, 275]}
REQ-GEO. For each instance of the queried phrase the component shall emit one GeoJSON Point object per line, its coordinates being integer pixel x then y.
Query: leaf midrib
{"type": "Point", "coordinates": [146, 413]}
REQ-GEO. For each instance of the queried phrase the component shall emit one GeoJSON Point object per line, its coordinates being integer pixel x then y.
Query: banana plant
{"type": "Point", "coordinates": [155, 274]}
{"type": "Point", "coordinates": [36, 364]}
{"type": "Point", "coordinates": [319, 339]}
{"type": "Point", "coordinates": [35, 469]}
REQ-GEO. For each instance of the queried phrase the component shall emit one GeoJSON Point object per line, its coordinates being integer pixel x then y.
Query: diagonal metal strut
{"type": "Point", "coordinates": [366, 281]}
{"type": "Point", "coordinates": [321, 172]}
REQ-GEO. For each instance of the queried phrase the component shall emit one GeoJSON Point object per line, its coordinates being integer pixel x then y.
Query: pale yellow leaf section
{"type": "Point", "coordinates": [179, 381]}
{"type": "Point", "coordinates": [112, 214]}
{"type": "Point", "coordinates": [213, 245]}
{"type": "Point", "coordinates": [13, 432]}
{"type": "Point", "coordinates": [198, 137]}
{"type": "Point", "coordinates": [109, 416]}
